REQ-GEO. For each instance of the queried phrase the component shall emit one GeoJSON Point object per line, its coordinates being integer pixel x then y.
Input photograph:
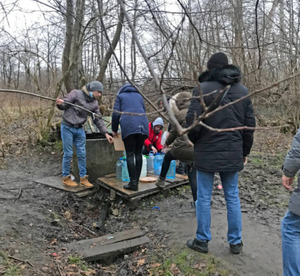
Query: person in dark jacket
{"type": "Point", "coordinates": [223, 152]}
{"type": "Point", "coordinates": [153, 141]}
{"type": "Point", "coordinates": [72, 131]}
{"type": "Point", "coordinates": [290, 224]}
{"type": "Point", "coordinates": [134, 129]}
{"type": "Point", "coordinates": [181, 148]}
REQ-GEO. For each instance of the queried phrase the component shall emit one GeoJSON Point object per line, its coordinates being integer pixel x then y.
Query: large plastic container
{"type": "Point", "coordinates": [125, 174]}
{"type": "Point", "coordinates": [144, 167]}
{"type": "Point", "coordinates": [119, 164]}
{"type": "Point", "coordinates": [158, 160]}
{"type": "Point", "coordinates": [150, 163]}
{"type": "Point", "coordinates": [172, 170]}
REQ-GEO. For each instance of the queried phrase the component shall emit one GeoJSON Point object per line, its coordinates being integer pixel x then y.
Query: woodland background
{"type": "Point", "coordinates": [161, 46]}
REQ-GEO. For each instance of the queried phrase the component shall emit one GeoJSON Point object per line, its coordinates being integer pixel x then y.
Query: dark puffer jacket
{"type": "Point", "coordinates": [129, 100]}
{"type": "Point", "coordinates": [222, 151]}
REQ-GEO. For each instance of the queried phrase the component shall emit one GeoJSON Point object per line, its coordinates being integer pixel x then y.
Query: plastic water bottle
{"type": "Point", "coordinates": [158, 160]}
{"type": "Point", "coordinates": [172, 170]}
{"type": "Point", "coordinates": [119, 168]}
{"type": "Point", "coordinates": [150, 163]}
{"type": "Point", "coordinates": [125, 174]}
{"type": "Point", "coordinates": [144, 167]}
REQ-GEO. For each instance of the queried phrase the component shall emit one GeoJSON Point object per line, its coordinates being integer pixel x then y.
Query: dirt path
{"type": "Point", "coordinates": [32, 226]}
{"type": "Point", "coordinates": [262, 247]}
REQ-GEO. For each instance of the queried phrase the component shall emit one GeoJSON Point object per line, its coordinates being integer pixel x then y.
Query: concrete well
{"type": "Point", "coordinates": [101, 158]}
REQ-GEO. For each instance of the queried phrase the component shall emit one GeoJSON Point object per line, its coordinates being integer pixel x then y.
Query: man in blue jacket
{"type": "Point", "coordinates": [290, 225]}
{"type": "Point", "coordinates": [223, 152]}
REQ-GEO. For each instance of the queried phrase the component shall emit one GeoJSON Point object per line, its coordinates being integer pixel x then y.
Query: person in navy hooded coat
{"type": "Point", "coordinates": [134, 129]}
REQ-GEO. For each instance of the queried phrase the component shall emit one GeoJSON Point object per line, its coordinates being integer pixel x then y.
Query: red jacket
{"type": "Point", "coordinates": [153, 139]}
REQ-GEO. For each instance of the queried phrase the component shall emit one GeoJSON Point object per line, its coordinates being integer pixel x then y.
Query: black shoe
{"type": "Point", "coordinates": [198, 245]}
{"type": "Point", "coordinates": [236, 248]}
{"type": "Point", "coordinates": [131, 187]}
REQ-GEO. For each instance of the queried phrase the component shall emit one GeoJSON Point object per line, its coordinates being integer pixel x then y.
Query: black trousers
{"type": "Point", "coordinates": [133, 146]}
{"type": "Point", "coordinates": [191, 173]}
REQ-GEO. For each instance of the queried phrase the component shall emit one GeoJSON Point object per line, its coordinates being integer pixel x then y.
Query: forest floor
{"type": "Point", "coordinates": [37, 222]}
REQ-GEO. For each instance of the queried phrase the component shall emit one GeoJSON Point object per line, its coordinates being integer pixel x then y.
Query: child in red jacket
{"type": "Point", "coordinates": [153, 142]}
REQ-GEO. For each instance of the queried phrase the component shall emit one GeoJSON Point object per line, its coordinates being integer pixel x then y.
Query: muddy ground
{"type": "Point", "coordinates": [37, 222]}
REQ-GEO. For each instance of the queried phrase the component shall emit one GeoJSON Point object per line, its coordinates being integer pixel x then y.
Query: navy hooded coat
{"type": "Point", "coordinates": [129, 100]}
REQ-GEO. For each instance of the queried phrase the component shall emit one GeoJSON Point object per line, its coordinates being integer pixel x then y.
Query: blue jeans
{"type": "Point", "coordinates": [290, 236]}
{"type": "Point", "coordinates": [76, 136]}
{"type": "Point", "coordinates": [205, 182]}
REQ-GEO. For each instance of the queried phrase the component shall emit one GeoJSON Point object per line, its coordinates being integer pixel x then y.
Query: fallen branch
{"type": "Point", "coordinates": [58, 268]}
{"type": "Point", "coordinates": [85, 228]}
{"type": "Point", "coordinates": [20, 260]}
{"type": "Point", "coordinates": [19, 194]}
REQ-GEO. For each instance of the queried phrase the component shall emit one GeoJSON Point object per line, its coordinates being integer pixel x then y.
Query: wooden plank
{"type": "Point", "coordinates": [56, 182]}
{"type": "Point", "coordinates": [181, 176]}
{"type": "Point", "coordinates": [115, 249]}
{"type": "Point", "coordinates": [85, 193]}
{"type": "Point", "coordinates": [110, 175]}
{"type": "Point", "coordinates": [107, 239]}
{"type": "Point", "coordinates": [109, 245]}
{"type": "Point", "coordinates": [145, 189]}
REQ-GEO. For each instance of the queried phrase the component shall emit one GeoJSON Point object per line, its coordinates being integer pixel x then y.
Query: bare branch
{"type": "Point", "coordinates": [151, 69]}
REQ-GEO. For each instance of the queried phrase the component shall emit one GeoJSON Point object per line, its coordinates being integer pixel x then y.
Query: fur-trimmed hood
{"type": "Point", "coordinates": [179, 104]}
{"type": "Point", "coordinates": [228, 74]}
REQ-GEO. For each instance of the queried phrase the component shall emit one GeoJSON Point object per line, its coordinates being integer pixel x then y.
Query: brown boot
{"type": "Point", "coordinates": [69, 182]}
{"type": "Point", "coordinates": [85, 182]}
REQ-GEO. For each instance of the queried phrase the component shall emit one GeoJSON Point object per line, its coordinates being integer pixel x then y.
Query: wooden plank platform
{"type": "Point", "coordinates": [101, 248]}
{"type": "Point", "coordinates": [56, 182]}
{"type": "Point", "coordinates": [145, 189]}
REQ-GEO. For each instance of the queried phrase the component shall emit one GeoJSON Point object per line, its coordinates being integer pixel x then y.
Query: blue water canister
{"type": "Point", "coordinates": [158, 160]}
{"type": "Point", "coordinates": [125, 174]}
{"type": "Point", "coordinates": [150, 163]}
{"type": "Point", "coordinates": [172, 170]}
{"type": "Point", "coordinates": [119, 165]}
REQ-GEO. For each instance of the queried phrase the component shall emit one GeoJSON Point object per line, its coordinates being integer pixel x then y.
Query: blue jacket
{"type": "Point", "coordinates": [129, 100]}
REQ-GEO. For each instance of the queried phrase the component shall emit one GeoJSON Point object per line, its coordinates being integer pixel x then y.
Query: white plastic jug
{"type": "Point", "coordinates": [119, 168]}
{"type": "Point", "coordinates": [150, 163]}
{"type": "Point", "coordinates": [144, 167]}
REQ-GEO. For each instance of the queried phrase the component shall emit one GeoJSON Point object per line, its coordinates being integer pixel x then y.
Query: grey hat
{"type": "Point", "coordinates": [94, 86]}
{"type": "Point", "coordinates": [158, 121]}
